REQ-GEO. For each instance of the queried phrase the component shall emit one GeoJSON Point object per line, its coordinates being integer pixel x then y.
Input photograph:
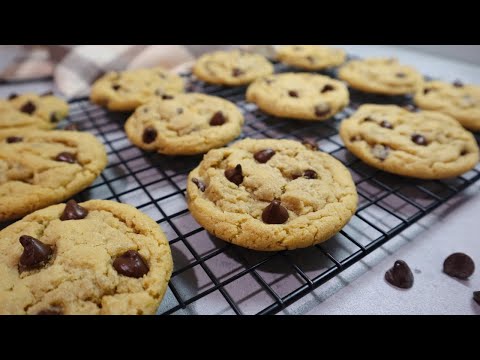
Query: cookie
{"type": "Point", "coordinates": [127, 90]}
{"type": "Point", "coordinates": [457, 100]}
{"type": "Point", "coordinates": [41, 168]}
{"type": "Point", "coordinates": [47, 106]}
{"type": "Point", "coordinates": [97, 257]}
{"type": "Point", "coordinates": [381, 76]}
{"type": "Point", "coordinates": [301, 96]}
{"type": "Point", "coordinates": [426, 145]}
{"type": "Point", "coordinates": [271, 195]}
{"type": "Point", "coordinates": [232, 68]}
{"type": "Point", "coordinates": [311, 57]}
{"type": "Point", "coordinates": [11, 118]}
{"type": "Point", "coordinates": [185, 124]}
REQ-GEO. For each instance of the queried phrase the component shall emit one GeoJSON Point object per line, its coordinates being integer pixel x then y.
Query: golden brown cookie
{"type": "Point", "coordinates": [311, 57]}
{"type": "Point", "coordinates": [11, 118]}
{"type": "Point", "coordinates": [48, 107]}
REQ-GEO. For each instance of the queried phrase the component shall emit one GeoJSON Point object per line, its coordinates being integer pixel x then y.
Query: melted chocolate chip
{"type": "Point", "coordinates": [237, 72]}
{"type": "Point", "coordinates": [310, 174]}
{"type": "Point", "coordinates": [385, 124]}
{"type": "Point", "coordinates": [66, 157]}
{"type": "Point", "coordinates": [131, 264]}
{"type": "Point", "coordinates": [235, 175]}
{"type": "Point", "coordinates": [464, 152]}
{"type": "Point", "coordinates": [116, 87]}
{"type": "Point", "coordinates": [322, 110]}
{"type": "Point", "coordinates": [54, 118]}
{"type": "Point", "coordinates": [28, 108]}
{"type": "Point", "coordinates": [426, 91]}
{"type": "Point", "coordinates": [35, 253]}
{"type": "Point", "coordinates": [419, 140]}
{"type": "Point", "coordinates": [218, 119]}
{"type": "Point", "coordinates": [54, 310]}
{"type": "Point", "coordinates": [275, 213]}
{"type": "Point", "coordinates": [400, 275]}
{"type": "Point", "coordinates": [355, 138]}
{"type": "Point", "coordinates": [47, 93]}
{"type": "Point", "coordinates": [310, 144]}
{"type": "Point", "coordinates": [200, 184]}
{"type": "Point", "coordinates": [71, 127]}
{"type": "Point", "coordinates": [368, 119]}
{"type": "Point", "coordinates": [400, 75]}
{"type": "Point", "coordinates": [167, 97]}
{"type": "Point", "coordinates": [73, 211]}
{"type": "Point", "coordinates": [263, 156]}
{"type": "Point", "coordinates": [149, 135]}
{"type": "Point", "coordinates": [12, 96]}
{"type": "Point", "coordinates": [14, 139]}
{"type": "Point", "coordinates": [381, 152]}
{"type": "Point", "coordinates": [293, 93]}
{"type": "Point", "coordinates": [327, 88]}
{"type": "Point", "coordinates": [458, 83]}
{"type": "Point", "coordinates": [476, 297]}
{"type": "Point", "coordinates": [459, 265]}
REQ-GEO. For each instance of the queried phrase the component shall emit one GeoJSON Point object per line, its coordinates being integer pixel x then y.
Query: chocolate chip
{"type": "Point", "coordinates": [476, 297]}
{"type": "Point", "coordinates": [327, 88]}
{"type": "Point", "coordinates": [54, 118]}
{"type": "Point", "coordinates": [322, 110]}
{"type": "Point", "coordinates": [71, 127]}
{"type": "Point", "coordinates": [131, 264]}
{"type": "Point", "coordinates": [179, 111]}
{"type": "Point", "coordinates": [296, 176]}
{"type": "Point", "coordinates": [167, 97]}
{"type": "Point", "coordinates": [400, 275]}
{"type": "Point", "coordinates": [380, 151]}
{"type": "Point", "coordinates": [419, 140]}
{"type": "Point", "coordinates": [310, 174]}
{"type": "Point", "coordinates": [275, 213]}
{"type": "Point", "coordinates": [73, 211]}
{"type": "Point", "coordinates": [47, 93]}
{"type": "Point", "coordinates": [28, 108]}
{"type": "Point", "coordinates": [355, 138]}
{"type": "Point", "coordinates": [310, 144]}
{"type": "Point", "coordinates": [400, 75]}
{"type": "Point", "coordinates": [311, 59]}
{"type": "Point", "coordinates": [200, 184]}
{"type": "Point", "coordinates": [464, 152]}
{"type": "Point", "coordinates": [293, 93]}
{"type": "Point", "coordinates": [218, 119]}
{"type": "Point", "coordinates": [66, 157]}
{"type": "Point", "coordinates": [116, 87]}
{"type": "Point", "coordinates": [426, 91]}
{"type": "Point", "coordinates": [149, 135]}
{"type": "Point", "coordinates": [54, 310]}
{"type": "Point", "coordinates": [458, 83]}
{"type": "Point", "coordinates": [35, 253]}
{"type": "Point", "coordinates": [385, 124]}
{"type": "Point", "coordinates": [237, 72]}
{"type": "Point", "coordinates": [235, 175]}
{"type": "Point", "coordinates": [14, 139]}
{"type": "Point", "coordinates": [263, 156]}
{"type": "Point", "coordinates": [12, 96]}
{"type": "Point", "coordinates": [459, 265]}
{"type": "Point", "coordinates": [368, 119]}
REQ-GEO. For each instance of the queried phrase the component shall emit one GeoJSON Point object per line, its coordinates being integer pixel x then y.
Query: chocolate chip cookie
{"type": "Point", "coordinates": [458, 100]}
{"type": "Point", "coordinates": [127, 90]}
{"type": "Point", "coordinates": [302, 96]}
{"type": "Point", "coordinates": [41, 168]}
{"type": "Point", "coordinates": [231, 68]}
{"type": "Point", "coordinates": [426, 145]}
{"type": "Point", "coordinates": [11, 118]}
{"type": "Point", "coordinates": [381, 76]}
{"type": "Point", "coordinates": [97, 257]}
{"type": "Point", "coordinates": [185, 124]}
{"type": "Point", "coordinates": [271, 194]}
{"type": "Point", "coordinates": [46, 106]}
{"type": "Point", "coordinates": [311, 57]}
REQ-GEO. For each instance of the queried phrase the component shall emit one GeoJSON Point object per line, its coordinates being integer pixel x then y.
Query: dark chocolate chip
{"type": "Point", "coordinates": [263, 156]}
{"type": "Point", "coordinates": [28, 108]}
{"type": "Point", "coordinates": [293, 93]}
{"type": "Point", "coordinates": [385, 124]}
{"type": "Point", "coordinates": [116, 87]}
{"type": "Point", "coordinates": [426, 91]}
{"type": "Point", "coordinates": [476, 297]}
{"type": "Point", "coordinates": [12, 96]}
{"type": "Point", "coordinates": [14, 139]}
{"type": "Point", "coordinates": [167, 97]}
{"type": "Point", "coordinates": [322, 110]}
{"type": "Point", "coordinates": [368, 119]}
{"type": "Point", "coordinates": [419, 140]}
{"type": "Point", "coordinates": [179, 111]}
{"type": "Point", "coordinates": [73, 211]}
{"type": "Point", "coordinates": [310, 144]}
{"type": "Point", "coordinates": [149, 135]}
{"type": "Point", "coordinates": [380, 151]}
{"type": "Point", "coordinates": [400, 75]}
{"type": "Point", "coordinates": [464, 152]}
{"type": "Point", "coordinates": [35, 253]}
{"type": "Point", "coordinates": [218, 119]}
{"type": "Point", "coordinates": [327, 88]}
{"type": "Point", "coordinates": [47, 93]}
{"type": "Point", "coordinates": [275, 213]}
{"type": "Point", "coordinates": [66, 157]}
{"type": "Point", "coordinates": [237, 72]}
{"type": "Point", "coordinates": [200, 184]}
{"type": "Point", "coordinates": [296, 176]}
{"type": "Point", "coordinates": [400, 275]}
{"type": "Point", "coordinates": [71, 127]}
{"type": "Point", "coordinates": [310, 174]}
{"type": "Point", "coordinates": [459, 265]}
{"type": "Point", "coordinates": [355, 138]}
{"type": "Point", "coordinates": [54, 310]}
{"type": "Point", "coordinates": [458, 83]}
{"type": "Point", "coordinates": [235, 175]}
{"type": "Point", "coordinates": [54, 118]}
{"type": "Point", "coordinates": [131, 264]}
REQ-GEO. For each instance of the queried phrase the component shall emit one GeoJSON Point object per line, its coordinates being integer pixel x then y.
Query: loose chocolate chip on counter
{"type": "Point", "coordinates": [293, 93]}
{"type": "Point", "coordinates": [275, 213]}
{"type": "Point", "coordinates": [71, 127]}
{"type": "Point", "coordinates": [235, 175]}
{"type": "Point", "coordinates": [419, 140]}
{"type": "Point", "coordinates": [218, 119]}
{"type": "Point", "coordinates": [310, 174]}
{"type": "Point", "coordinates": [200, 184]}
{"type": "Point", "coordinates": [149, 135]}
{"type": "Point", "coordinates": [237, 72]}
{"type": "Point", "coordinates": [167, 97]}
{"type": "Point", "coordinates": [400, 275]}
{"type": "Point", "coordinates": [381, 152]}
{"type": "Point", "coordinates": [35, 253]}
{"type": "Point", "coordinates": [310, 144]}
{"type": "Point", "coordinates": [47, 93]}
{"type": "Point", "coordinates": [426, 91]}
{"type": "Point", "coordinates": [327, 88]}
{"type": "Point", "coordinates": [458, 83]}
{"type": "Point", "coordinates": [263, 156]}
{"type": "Point", "coordinates": [54, 118]}
{"type": "Point", "coordinates": [385, 124]}
{"type": "Point", "coordinates": [322, 110]}
{"type": "Point", "coordinates": [476, 297]}
{"type": "Point", "coordinates": [459, 265]}
{"type": "Point", "coordinates": [55, 310]}
{"type": "Point", "coordinates": [73, 211]}
{"type": "Point", "coordinates": [131, 264]}
{"type": "Point", "coordinates": [116, 87]}
{"type": "Point", "coordinates": [14, 139]}
{"type": "Point", "coordinates": [12, 96]}
{"type": "Point", "coordinates": [28, 108]}
{"type": "Point", "coordinates": [66, 157]}
{"type": "Point", "coordinates": [400, 75]}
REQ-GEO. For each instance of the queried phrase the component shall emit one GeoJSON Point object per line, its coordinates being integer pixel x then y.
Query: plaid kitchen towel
{"type": "Point", "coordinates": [75, 67]}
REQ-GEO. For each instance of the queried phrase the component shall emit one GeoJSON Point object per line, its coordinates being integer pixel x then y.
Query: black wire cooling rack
{"type": "Point", "coordinates": [213, 277]}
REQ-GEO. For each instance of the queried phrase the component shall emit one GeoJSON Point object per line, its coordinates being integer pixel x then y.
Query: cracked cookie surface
{"type": "Point", "coordinates": [11, 118]}
{"type": "Point", "coordinates": [41, 168]}
{"type": "Point", "coordinates": [271, 194]}
{"type": "Point", "coordinates": [311, 57]}
{"type": "Point", "coordinates": [381, 76]}
{"type": "Point", "coordinates": [127, 90]}
{"type": "Point", "coordinates": [186, 124]}
{"type": "Point", "coordinates": [81, 276]}
{"type": "Point", "coordinates": [49, 108]}
{"type": "Point", "coordinates": [302, 96]}
{"type": "Point", "coordinates": [457, 100]}
{"type": "Point", "coordinates": [427, 144]}
{"type": "Point", "coordinates": [232, 68]}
